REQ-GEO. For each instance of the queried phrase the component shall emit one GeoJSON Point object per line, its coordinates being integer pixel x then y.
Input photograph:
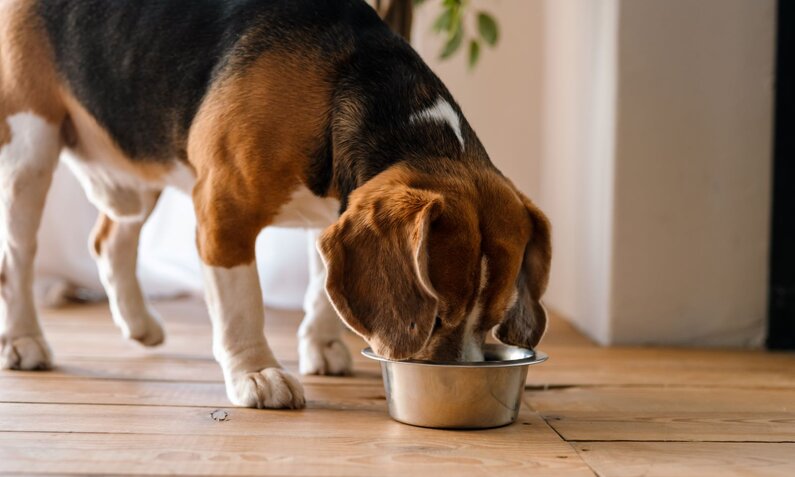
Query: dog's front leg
{"type": "Point", "coordinates": [254, 378]}
{"type": "Point", "coordinates": [26, 167]}
{"type": "Point", "coordinates": [320, 346]}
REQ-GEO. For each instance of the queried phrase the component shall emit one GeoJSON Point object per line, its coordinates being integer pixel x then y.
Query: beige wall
{"type": "Point", "coordinates": [502, 97]}
{"type": "Point", "coordinates": [693, 171]}
{"type": "Point", "coordinates": [657, 167]}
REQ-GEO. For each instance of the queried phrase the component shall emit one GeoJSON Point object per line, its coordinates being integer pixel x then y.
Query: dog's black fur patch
{"type": "Point", "coordinates": [142, 67]}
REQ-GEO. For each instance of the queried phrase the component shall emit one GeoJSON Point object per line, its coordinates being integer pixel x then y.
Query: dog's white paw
{"type": "Point", "coordinates": [270, 388]}
{"type": "Point", "coordinates": [146, 328]}
{"type": "Point", "coordinates": [25, 353]}
{"type": "Point", "coordinates": [324, 357]}
{"type": "Point", "coordinates": [151, 334]}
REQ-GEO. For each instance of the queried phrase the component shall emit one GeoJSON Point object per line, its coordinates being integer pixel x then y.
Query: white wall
{"type": "Point", "coordinates": [578, 159]}
{"type": "Point", "coordinates": [656, 171]}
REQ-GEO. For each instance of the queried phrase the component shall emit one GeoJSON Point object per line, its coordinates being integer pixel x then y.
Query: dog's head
{"type": "Point", "coordinates": [423, 266]}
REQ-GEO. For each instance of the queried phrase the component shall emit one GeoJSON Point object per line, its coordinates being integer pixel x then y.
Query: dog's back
{"type": "Point", "coordinates": [142, 68]}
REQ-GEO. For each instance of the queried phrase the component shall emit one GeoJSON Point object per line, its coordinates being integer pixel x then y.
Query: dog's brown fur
{"type": "Point", "coordinates": [249, 145]}
{"type": "Point", "coordinates": [28, 81]}
{"type": "Point", "coordinates": [102, 230]}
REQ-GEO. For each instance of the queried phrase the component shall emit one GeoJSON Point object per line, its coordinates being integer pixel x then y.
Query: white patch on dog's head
{"type": "Point", "coordinates": [471, 350]}
{"type": "Point", "coordinates": [442, 111]}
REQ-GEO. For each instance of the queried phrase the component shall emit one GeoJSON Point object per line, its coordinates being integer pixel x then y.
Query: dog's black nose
{"type": "Point", "coordinates": [437, 324]}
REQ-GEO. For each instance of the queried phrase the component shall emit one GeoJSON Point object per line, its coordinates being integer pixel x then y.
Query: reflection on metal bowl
{"type": "Point", "coordinates": [458, 395]}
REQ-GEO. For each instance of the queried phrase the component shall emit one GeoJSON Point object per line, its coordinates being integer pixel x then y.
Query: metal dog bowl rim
{"type": "Point", "coordinates": [532, 357]}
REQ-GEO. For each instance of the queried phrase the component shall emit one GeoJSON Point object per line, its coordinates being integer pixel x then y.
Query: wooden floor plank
{"type": "Point", "coordinates": [588, 366]}
{"type": "Point", "coordinates": [150, 368]}
{"type": "Point", "coordinates": [106, 439]}
{"type": "Point", "coordinates": [348, 395]}
{"type": "Point", "coordinates": [660, 414]}
{"type": "Point", "coordinates": [369, 417]}
{"type": "Point", "coordinates": [355, 454]}
{"type": "Point", "coordinates": [703, 459]}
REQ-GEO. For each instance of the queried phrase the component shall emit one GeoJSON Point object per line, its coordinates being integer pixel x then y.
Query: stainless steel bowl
{"type": "Point", "coordinates": [459, 395]}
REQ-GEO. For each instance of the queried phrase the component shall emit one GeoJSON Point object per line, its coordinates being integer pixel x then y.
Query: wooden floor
{"type": "Point", "coordinates": [112, 407]}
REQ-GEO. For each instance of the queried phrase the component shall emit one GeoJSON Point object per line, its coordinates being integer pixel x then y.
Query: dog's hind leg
{"type": "Point", "coordinates": [29, 147]}
{"type": "Point", "coordinates": [114, 245]}
{"type": "Point", "coordinates": [320, 346]}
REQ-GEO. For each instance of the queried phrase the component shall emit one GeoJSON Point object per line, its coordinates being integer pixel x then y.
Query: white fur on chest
{"type": "Point", "coordinates": [303, 210]}
{"type": "Point", "coordinates": [471, 350]}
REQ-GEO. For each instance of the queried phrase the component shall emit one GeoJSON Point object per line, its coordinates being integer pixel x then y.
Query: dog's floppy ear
{"type": "Point", "coordinates": [377, 262]}
{"type": "Point", "coordinates": [525, 323]}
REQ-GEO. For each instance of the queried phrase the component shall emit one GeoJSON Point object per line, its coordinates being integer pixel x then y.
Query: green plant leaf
{"type": "Point", "coordinates": [456, 22]}
{"type": "Point", "coordinates": [453, 43]}
{"type": "Point", "coordinates": [443, 21]}
{"type": "Point", "coordinates": [474, 53]}
{"type": "Point", "coordinates": [487, 26]}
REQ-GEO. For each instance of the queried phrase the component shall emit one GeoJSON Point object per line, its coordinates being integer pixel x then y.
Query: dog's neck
{"type": "Point", "coordinates": [401, 114]}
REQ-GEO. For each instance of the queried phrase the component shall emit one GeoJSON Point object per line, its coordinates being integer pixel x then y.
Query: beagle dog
{"type": "Point", "coordinates": [309, 113]}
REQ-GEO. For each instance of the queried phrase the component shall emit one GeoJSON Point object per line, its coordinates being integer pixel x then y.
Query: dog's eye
{"type": "Point", "coordinates": [437, 324]}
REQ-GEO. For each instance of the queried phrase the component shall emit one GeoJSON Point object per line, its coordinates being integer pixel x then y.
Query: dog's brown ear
{"type": "Point", "coordinates": [525, 323]}
{"type": "Point", "coordinates": [377, 262]}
